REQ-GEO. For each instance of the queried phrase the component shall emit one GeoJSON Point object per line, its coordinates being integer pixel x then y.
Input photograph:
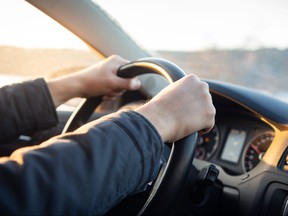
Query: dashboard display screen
{"type": "Point", "coordinates": [233, 145]}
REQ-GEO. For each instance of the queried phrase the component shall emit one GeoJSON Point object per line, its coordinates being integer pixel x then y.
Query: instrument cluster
{"type": "Point", "coordinates": [237, 144]}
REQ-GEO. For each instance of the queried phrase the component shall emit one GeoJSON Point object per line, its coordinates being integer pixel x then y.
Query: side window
{"type": "Point", "coordinates": [33, 45]}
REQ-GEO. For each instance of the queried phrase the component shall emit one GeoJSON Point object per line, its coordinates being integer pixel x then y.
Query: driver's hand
{"type": "Point", "coordinates": [180, 109]}
{"type": "Point", "coordinates": [99, 79]}
{"type": "Point", "coordinates": [102, 79]}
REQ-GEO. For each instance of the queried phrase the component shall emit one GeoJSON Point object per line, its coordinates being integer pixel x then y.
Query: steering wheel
{"type": "Point", "coordinates": [173, 173]}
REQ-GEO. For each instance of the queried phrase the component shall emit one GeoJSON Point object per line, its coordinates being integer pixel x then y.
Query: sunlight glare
{"type": "Point", "coordinates": [30, 28]}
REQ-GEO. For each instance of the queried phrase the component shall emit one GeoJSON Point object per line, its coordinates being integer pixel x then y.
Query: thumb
{"type": "Point", "coordinates": [134, 84]}
{"type": "Point", "coordinates": [129, 84]}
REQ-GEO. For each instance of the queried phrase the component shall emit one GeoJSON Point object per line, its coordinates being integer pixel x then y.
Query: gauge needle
{"type": "Point", "coordinates": [256, 149]}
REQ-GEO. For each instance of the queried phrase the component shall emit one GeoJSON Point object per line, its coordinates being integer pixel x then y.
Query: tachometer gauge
{"type": "Point", "coordinates": [207, 144]}
{"type": "Point", "coordinates": [256, 149]}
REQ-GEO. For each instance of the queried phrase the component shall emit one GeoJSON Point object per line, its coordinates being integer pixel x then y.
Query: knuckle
{"type": "Point", "coordinates": [211, 109]}
{"type": "Point", "coordinates": [204, 86]}
{"type": "Point", "coordinates": [191, 78]}
{"type": "Point", "coordinates": [114, 56]}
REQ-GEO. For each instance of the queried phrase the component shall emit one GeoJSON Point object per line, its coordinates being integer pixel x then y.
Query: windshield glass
{"type": "Point", "coordinates": [34, 45]}
{"type": "Point", "coordinates": [243, 42]}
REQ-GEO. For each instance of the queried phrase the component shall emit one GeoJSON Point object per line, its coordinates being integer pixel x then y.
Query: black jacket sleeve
{"type": "Point", "coordinates": [85, 172]}
{"type": "Point", "coordinates": [24, 108]}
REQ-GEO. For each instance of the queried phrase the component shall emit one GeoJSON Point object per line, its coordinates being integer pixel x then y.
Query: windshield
{"type": "Point", "coordinates": [33, 45]}
{"type": "Point", "coordinates": [243, 42]}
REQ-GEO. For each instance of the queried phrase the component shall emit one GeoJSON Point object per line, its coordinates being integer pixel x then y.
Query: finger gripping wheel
{"type": "Point", "coordinates": [174, 172]}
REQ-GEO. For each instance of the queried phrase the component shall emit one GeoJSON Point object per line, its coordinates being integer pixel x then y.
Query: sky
{"type": "Point", "coordinates": [164, 24]}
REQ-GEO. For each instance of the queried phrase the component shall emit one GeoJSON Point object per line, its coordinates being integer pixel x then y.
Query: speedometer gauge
{"type": "Point", "coordinates": [256, 149]}
{"type": "Point", "coordinates": [207, 144]}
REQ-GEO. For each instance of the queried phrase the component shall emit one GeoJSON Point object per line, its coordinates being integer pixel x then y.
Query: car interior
{"type": "Point", "coordinates": [239, 168]}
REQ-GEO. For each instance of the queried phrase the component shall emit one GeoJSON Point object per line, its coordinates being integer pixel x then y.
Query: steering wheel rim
{"type": "Point", "coordinates": [174, 172]}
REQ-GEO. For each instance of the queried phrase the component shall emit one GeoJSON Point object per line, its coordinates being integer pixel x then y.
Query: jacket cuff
{"type": "Point", "coordinates": [39, 101]}
{"type": "Point", "coordinates": [146, 139]}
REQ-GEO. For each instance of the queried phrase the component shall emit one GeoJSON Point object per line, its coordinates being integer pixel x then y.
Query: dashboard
{"type": "Point", "coordinates": [237, 142]}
